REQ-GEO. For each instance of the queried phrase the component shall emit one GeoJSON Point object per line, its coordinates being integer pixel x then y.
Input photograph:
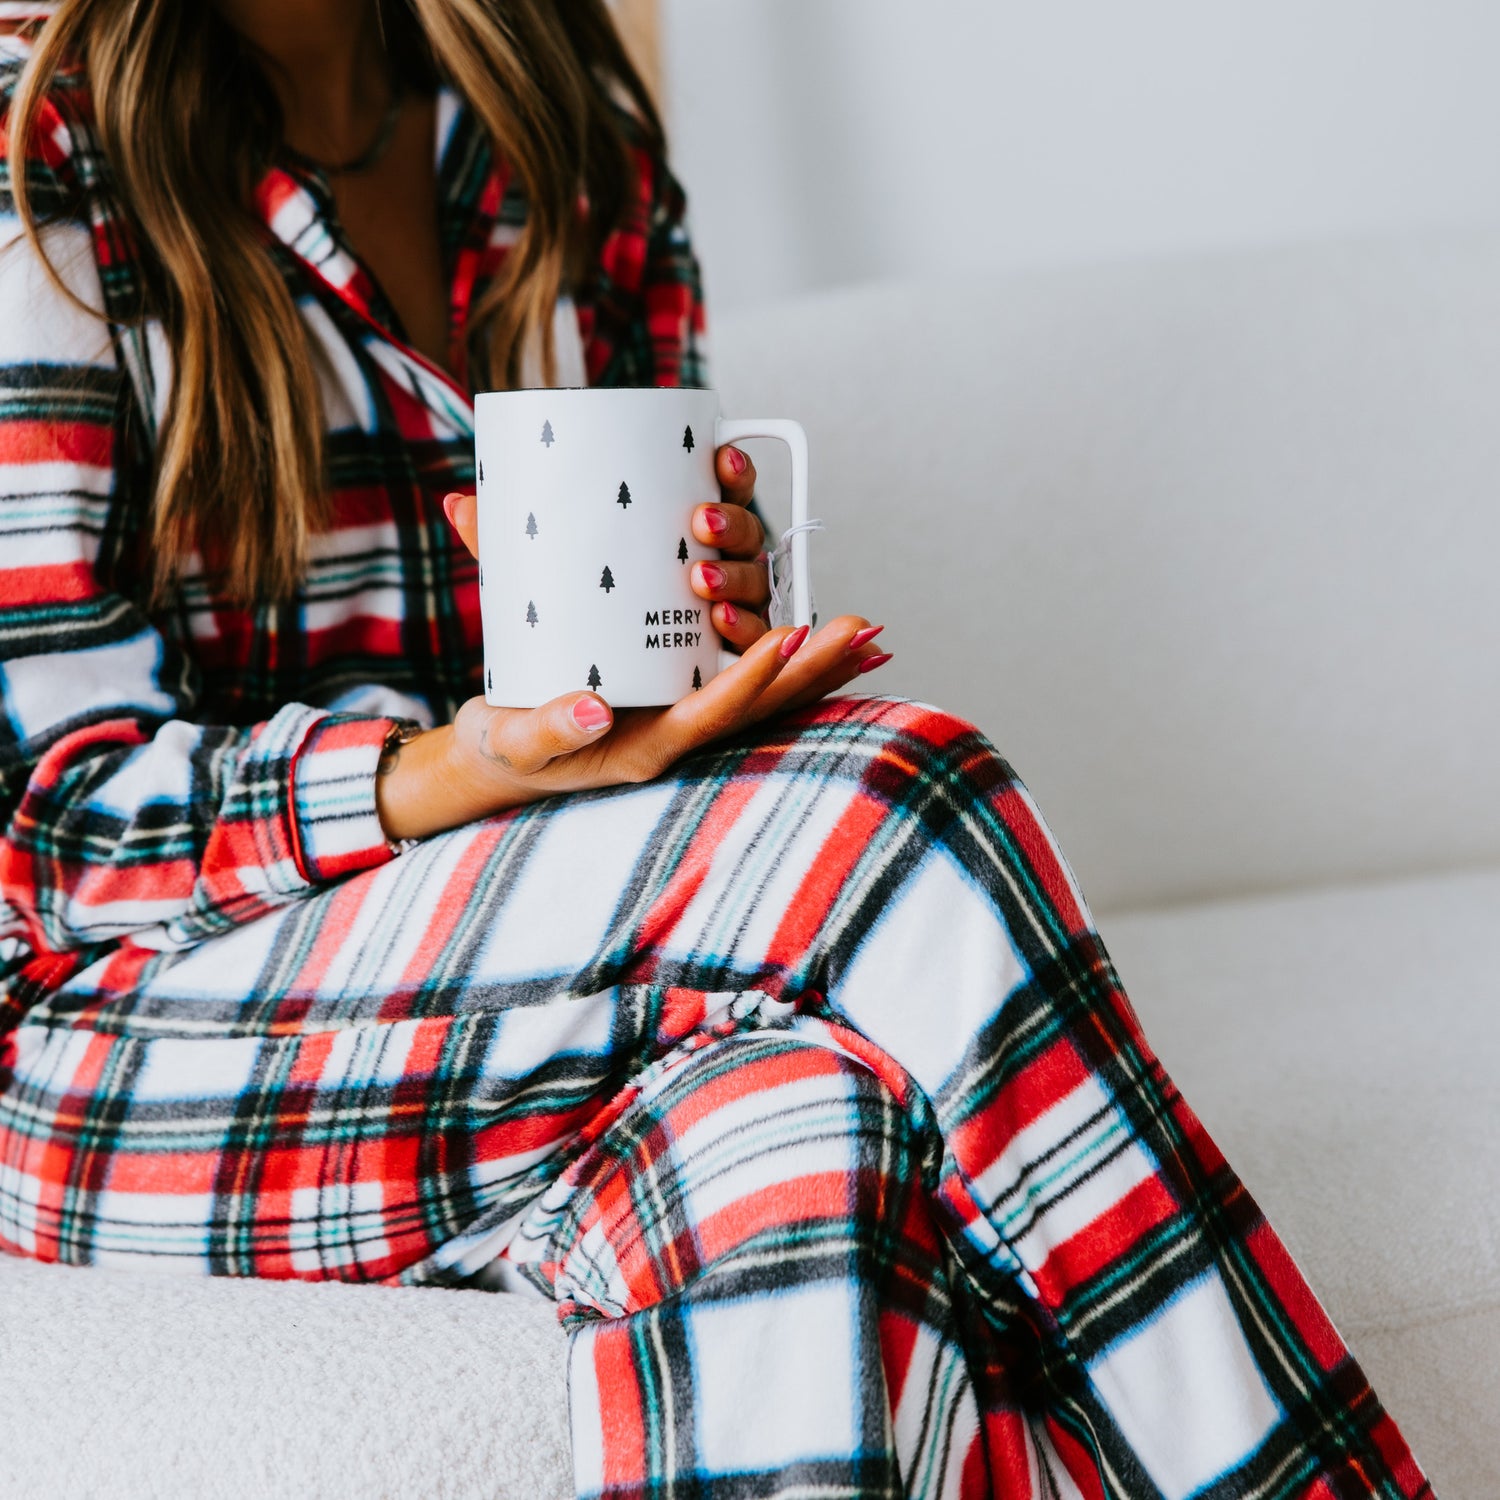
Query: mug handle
{"type": "Point", "coordinates": [795, 438]}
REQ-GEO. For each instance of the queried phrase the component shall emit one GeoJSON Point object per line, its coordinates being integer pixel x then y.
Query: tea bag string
{"type": "Point", "coordinates": [779, 562]}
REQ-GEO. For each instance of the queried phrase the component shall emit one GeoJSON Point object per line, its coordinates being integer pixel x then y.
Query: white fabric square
{"type": "Point", "coordinates": [101, 919]}
{"type": "Point", "coordinates": [1186, 1392]}
{"type": "Point", "coordinates": [556, 913]}
{"type": "Point", "coordinates": [936, 968]}
{"type": "Point", "coordinates": [52, 330]}
{"type": "Point", "coordinates": [189, 1260]}
{"type": "Point", "coordinates": [353, 572]}
{"type": "Point", "coordinates": [335, 1200]}
{"type": "Point", "coordinates": [44, 690]}
{"type": "Point", "coordinates": [161, 771]}
{"type": "Point", "coordinates": [531, 1035]}
{"type": "Point", "coordinates": [744, 1418]}
{"type": "Point", "coordinates": [215, 970]}
{"type": "Point", "coordinates": [190, 1068]}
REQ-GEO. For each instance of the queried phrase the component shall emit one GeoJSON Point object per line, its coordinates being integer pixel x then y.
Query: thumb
{"type": "Point", "coordinates": [525, 740]}
{"type": "Point", "coordinates": [462, 512]}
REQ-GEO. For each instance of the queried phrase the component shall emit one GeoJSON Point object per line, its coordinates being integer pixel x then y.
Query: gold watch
{"type": "Point", "coordinates": [402, 732]}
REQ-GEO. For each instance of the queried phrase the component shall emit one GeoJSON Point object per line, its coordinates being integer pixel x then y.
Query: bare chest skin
{"type": "Point", "coordinates": [389, 214]}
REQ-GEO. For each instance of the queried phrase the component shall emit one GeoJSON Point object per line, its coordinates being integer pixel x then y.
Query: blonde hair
{"type": "Point", "coordinates": [238, 462]}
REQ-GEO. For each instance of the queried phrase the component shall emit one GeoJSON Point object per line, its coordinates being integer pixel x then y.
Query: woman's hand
{"type": "Point", "coordinates": [739, 586]}
{"type": "Point", "coordinates": [492, 758]}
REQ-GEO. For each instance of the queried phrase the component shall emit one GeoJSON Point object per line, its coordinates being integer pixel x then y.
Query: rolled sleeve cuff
{"type": "Point", "coordinates": [336, 830]}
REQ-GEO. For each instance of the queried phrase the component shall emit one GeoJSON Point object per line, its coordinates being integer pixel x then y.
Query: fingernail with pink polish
{"type": "Point", "coordinates": [737, 460]}
{"type": "Point", "coordinates": [715, 519]}
{"type": "Point", "coordinates": [713, 576]}
{"type": "Point", "coordinates": [731, 615]}
{"type": "Point", "coordinates": [590, 714]}
{"type": "Point", "coordinates": [867, 634]}
{"type": "Point", "coordinates": [871, 662]}
{"type": "Point", "coordinates": [789, 646]}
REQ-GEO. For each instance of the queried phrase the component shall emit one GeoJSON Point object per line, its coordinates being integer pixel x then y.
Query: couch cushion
{"type": "Point", "coordinates": [1341, 1047]}
{"type": "Point", "coordinates": [134, 1386]}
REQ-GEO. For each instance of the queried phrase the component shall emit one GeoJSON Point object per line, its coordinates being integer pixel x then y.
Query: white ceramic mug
{"type": "Point", "coordinates": [586, 498]}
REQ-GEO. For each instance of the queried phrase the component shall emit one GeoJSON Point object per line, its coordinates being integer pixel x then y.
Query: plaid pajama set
{"type": "Point", "coordinates": [798, 1077]}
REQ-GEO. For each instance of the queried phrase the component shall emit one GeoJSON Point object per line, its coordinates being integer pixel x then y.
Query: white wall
{"type": "Point", "coordinates": [831, 141]}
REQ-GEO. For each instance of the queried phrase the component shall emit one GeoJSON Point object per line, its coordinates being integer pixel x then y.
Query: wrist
{"type": "Point", "coordinates": [437, 780]}
{"type": "Point", "coordinates": [407, 781]}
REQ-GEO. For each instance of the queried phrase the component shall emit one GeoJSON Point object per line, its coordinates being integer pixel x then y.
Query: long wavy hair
{"type": "Point", "coordinates": [238, 461]}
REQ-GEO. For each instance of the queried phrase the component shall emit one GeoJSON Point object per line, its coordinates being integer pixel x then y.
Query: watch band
{"type": "Point", "coordinates": [402, 732]}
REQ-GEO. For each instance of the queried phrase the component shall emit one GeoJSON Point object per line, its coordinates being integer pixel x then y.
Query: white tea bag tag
{"type": "Point", "coordinates": [780, 570]}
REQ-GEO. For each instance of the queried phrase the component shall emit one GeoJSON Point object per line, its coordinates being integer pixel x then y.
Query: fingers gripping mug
{"type": "Point", "coordinates": [586, 498]}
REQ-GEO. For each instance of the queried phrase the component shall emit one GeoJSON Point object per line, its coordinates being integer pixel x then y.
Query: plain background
{"type": "Point", "coordinates": [833, 141]}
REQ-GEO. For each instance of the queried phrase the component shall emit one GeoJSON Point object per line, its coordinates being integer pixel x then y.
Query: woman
{"type": "Point", "coordinates": [768, 1033]}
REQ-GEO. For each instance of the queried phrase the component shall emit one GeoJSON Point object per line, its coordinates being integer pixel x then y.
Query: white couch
{"type": "Point", "coordinates": [1207, 547]}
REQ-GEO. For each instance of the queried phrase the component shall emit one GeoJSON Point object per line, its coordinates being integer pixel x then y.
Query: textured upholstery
{"type": "Point", "coordinates": [129, 1385]}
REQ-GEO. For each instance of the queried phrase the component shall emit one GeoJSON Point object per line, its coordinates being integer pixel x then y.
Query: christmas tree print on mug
{"type": "Point", "coordinates": [557, 616]}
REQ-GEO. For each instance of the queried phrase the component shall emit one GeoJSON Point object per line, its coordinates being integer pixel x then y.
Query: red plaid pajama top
{"type": "Point", "coordinates": [170, 775]}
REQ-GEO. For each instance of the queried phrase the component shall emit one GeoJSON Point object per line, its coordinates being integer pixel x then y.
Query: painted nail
{"type": "Point", "coordinates": [590, 714]}
{"type": "Point", "coordinates": [737, 460]}
{"type": "Point", "coordinates": [789, 646]}
{"type": "Point", "coordinates": [871, 662]}
{"type": "Point", "coordinates": [867, 634]}
{"type": "Point", "coordinates": [713, 576]}
{"type": "Point", "coordinates": [715, 519]}
{"type": "Point", "coordinates": [731, 614]}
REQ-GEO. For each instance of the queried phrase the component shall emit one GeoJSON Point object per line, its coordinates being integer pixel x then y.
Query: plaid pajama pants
{"type": "Point", "coordinates": [798, 1077]}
